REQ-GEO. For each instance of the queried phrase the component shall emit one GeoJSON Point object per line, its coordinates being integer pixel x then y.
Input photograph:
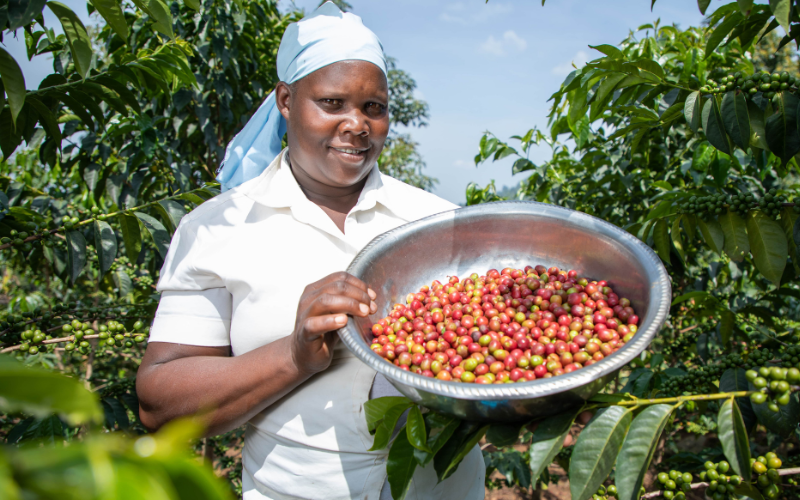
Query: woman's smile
{"type": "Point", "coordinates": [350, 154]}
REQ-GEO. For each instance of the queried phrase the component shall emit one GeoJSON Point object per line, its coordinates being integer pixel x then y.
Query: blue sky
{"type": "Point", "coordinates": [479, 66]}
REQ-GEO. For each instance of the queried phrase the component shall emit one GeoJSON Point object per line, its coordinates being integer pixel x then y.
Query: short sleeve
{"type": "Point", "coordinates": [195, 306]}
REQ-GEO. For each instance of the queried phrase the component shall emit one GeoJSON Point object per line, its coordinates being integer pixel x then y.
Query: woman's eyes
{"type": "Point", "coordinates": [376, 108]}
{"type": "Point", "coordinates": [373, 108]}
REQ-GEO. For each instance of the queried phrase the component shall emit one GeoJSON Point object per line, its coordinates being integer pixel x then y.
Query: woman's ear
{"type": "Point", "coordinates": [283, 98]}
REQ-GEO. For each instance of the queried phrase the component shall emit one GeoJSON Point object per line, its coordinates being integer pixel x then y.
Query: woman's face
{"type": "Point", "coordinates": [338, 120]}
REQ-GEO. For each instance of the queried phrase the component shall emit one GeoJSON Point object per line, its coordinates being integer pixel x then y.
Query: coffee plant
{"type": "Point", "coordinates": [100, 163]}
{"type": "Point", "coordinates": [680, 138]}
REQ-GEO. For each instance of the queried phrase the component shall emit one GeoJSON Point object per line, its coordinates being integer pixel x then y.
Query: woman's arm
{"type": "Point", "coordinates": [176, 380]}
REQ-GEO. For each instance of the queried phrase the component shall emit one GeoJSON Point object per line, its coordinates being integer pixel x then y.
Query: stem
{"type": "Point", "coordinates": [680, 399]}
{"type": "Point", "coordinates": [71, 338]}
{"type": "Point", "coordinates": [92, 219]}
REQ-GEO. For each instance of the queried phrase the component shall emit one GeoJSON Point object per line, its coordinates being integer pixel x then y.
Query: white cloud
{"type": "Point", "coordinates": [456, 13]}
{"type": "Point", "coordinates": [501, 46]}
{"type": "Point", "coordinates": [461, 164]}
{"type": "Point", "coordinates": [580, 59]}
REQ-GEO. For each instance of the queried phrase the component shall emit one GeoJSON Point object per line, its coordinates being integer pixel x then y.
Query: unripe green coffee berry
{"type": "Point", "coordinates": [69, 346]}
{"type": "Point", "coordinates": [138, 339]}
{"type": "Point", "coordinates": [33, 350]}
{"type": "Point", "coordinates": [723, 467]}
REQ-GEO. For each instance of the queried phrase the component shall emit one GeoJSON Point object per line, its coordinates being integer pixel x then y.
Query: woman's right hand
{"type": "Point", "coordinates": [322, 310]}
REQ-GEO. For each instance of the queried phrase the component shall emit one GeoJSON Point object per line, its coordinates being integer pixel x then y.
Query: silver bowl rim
{"type": "Point", "coordinates": [660, 293]}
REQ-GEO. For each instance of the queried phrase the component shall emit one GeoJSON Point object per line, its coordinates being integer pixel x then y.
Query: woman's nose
{"type": "Point", "coordinates": [355, 122]}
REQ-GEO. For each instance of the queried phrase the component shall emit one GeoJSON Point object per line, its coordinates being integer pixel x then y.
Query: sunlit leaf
{"type": "Point", "coordinates": [596, 450]}
{"type": "Point", "coordinates": [39, 392]}
{"type": "Point", "coordinates": [548, 439]}
{"type": "Point", "coordinates": [638, 448]}
{"type": "Point", "coordinates": [733, 436]}
{"type": "Point", "coordinates": [79, 42]}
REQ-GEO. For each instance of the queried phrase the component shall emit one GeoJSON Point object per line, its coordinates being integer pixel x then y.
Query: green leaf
{"type": "Point", "coordinates": [47, 119]}
{"type": "Point", "coordinates": [677, 242]}
{"type": "Point", "coordinates": [415, 429]}
{"type": "Point", "coordinates": [726, 323]}
{"type": "Point", "coordinates": [749, 491]}
{"type": "Point", "coordinates": [400, 466]}
{"type": "Point", "coordinates": [79, 42]}
{"type": "Point", "coordinates": [609, 50]}
{"type": "Point", "coordinates": [733, 436]}
{"type": "Point", "coordinates": [661, 239]}
{"type": "Point", "coordinates": [123, 282]}
{"type": "Point", "coordinates": [131, 236]}
{"type": "Point", "coordinates": [703, 5]}
{"type": "Point", "coordinates": [736, 118]}
{"type": "Point", "coordinates": [745, 6]}
{"type": "Point", "coordinates": [122, 90]}
{"type": "Point", "coordinates": [503, 434]}
{"type": "Point", "coordinates": [111, 10]}
{"type": "Point", "coordinates": [193, 4]}
{"type": "Point", "coordinates": [40, 393]}
{"type": "Point", "coordinates": [596, 450]}
{"type": "Point", "coordinates": [721, 31]}
{"type": "Point", "coordinates": [21, 13]}
{"type": "Point", "coordinates": [700, 295]}
{"type": "Point", "coordinates": [784, 421]}
{"type": "Point", "coordinates": [384, 431]}
{"type": "Point", "coordinates": [14, 84]}
{"type": "Point", "coordinates": [548, 439]}
{"type": "Point", "coordinates": [440, 429]}
{"type": "Point", "coordinates": [712, 234]}
{"type": "Point", "coordinates": [465, 437]}
{"type": "Point", "coordinates": [157, 231]}
{"type": "Point", "coordinates": [691, 110]}
{"type": "Point", "coordinates": [734, 380]}
{"type": "Point", "coordinates": [105, 242]}
{"type": "Point", "coordinates": [788, 221]}
{"type": "Point", "coordinates": [768, 245]}
{"type": "Point", "coordinates": [160, 14]}
{"type": "Point", "coordinates": [638, 449]}
{"type": "Point", "coordinates": [713, 126]}
{"type": "Point", "coordinates": [8, 487]}
{"type": "Point", "coordinates": [781, 128]}
{"type": "Point", "coordinates": [782, 9]}
{"type": "Point", "coordinates": [76, 254]}
{"type": "Point", "coordinates": [375, 409]}
{"type": "Point", "coordinates": [736, 243]}
{"type": "Point", "coordinates": [758, 134]}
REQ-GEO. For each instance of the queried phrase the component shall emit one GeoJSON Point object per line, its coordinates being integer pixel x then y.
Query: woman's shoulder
{"type": "Point", "coordinates": [411, 202]}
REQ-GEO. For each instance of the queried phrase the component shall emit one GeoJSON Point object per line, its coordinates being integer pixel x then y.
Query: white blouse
{"type": "Point", "coordinates": [234, 274]}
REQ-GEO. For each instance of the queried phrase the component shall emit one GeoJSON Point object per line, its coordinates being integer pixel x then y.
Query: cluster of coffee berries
{"type": "Point", "coordinates": [790, 357]}
{"type": "Point", "coordinates": [763, 82]}
{"type": "Point", "coordinates": [772, 203]}
{"type": "Point", "coordinates": [721, 486]}
{"type": "Point", "coordinates": [694, 382]}
{"type": "Point", "coordinates": [16, 238]}
{"type": "Point", "coordinates": [768, 480]}
{"type": "Point", "coordinates": [741, 203]}
{"type": "Point", "coordinates": [605, 492]}
{"type": "Point", "coordinates": [774, 384]}
{"type": "Point", "coordinates": [512, 325]}
{"type": "Point", "coordinates": [759, 357]}
{"type": "Point", "coordinates": [675, 484]}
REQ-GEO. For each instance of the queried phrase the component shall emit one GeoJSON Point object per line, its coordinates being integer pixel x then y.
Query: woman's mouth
{"type": "Point", "coordinates": [351, 154]}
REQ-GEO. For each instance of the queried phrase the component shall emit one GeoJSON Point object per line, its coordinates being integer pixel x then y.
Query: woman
{"type": "Point", "coordinates": [253, 288]}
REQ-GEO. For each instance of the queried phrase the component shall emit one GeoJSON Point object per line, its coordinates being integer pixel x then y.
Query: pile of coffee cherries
{"type": "Point", "coordinates": [512, 325]}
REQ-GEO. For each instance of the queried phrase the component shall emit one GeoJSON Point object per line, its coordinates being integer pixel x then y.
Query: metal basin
{"type": "Point", "coordinates": [498, 235]}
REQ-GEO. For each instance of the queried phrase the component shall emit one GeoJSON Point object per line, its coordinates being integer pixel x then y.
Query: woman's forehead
{"type": "Point", "coordinates": [350, 75]}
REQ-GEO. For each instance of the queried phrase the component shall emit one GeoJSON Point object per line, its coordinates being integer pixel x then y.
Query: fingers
{"type": "Point", "coordinates": [343, 277]}
{"type": "Point", "coordinates": [330, 303]}
{"type": "Point", "coordinates": [318, 326]}
{"type": "Point", "coordinates": [584, 417]}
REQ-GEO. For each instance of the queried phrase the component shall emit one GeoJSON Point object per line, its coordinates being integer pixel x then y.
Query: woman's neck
{"type": "Point", "coordinates": [335, 201]}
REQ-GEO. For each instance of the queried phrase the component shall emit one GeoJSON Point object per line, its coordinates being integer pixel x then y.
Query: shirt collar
{"type": "Point", "coordinates": [277, 188]}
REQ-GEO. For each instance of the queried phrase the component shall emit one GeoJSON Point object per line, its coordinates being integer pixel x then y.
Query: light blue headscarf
{"type": "Point", "coordinates": [326, 36]}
